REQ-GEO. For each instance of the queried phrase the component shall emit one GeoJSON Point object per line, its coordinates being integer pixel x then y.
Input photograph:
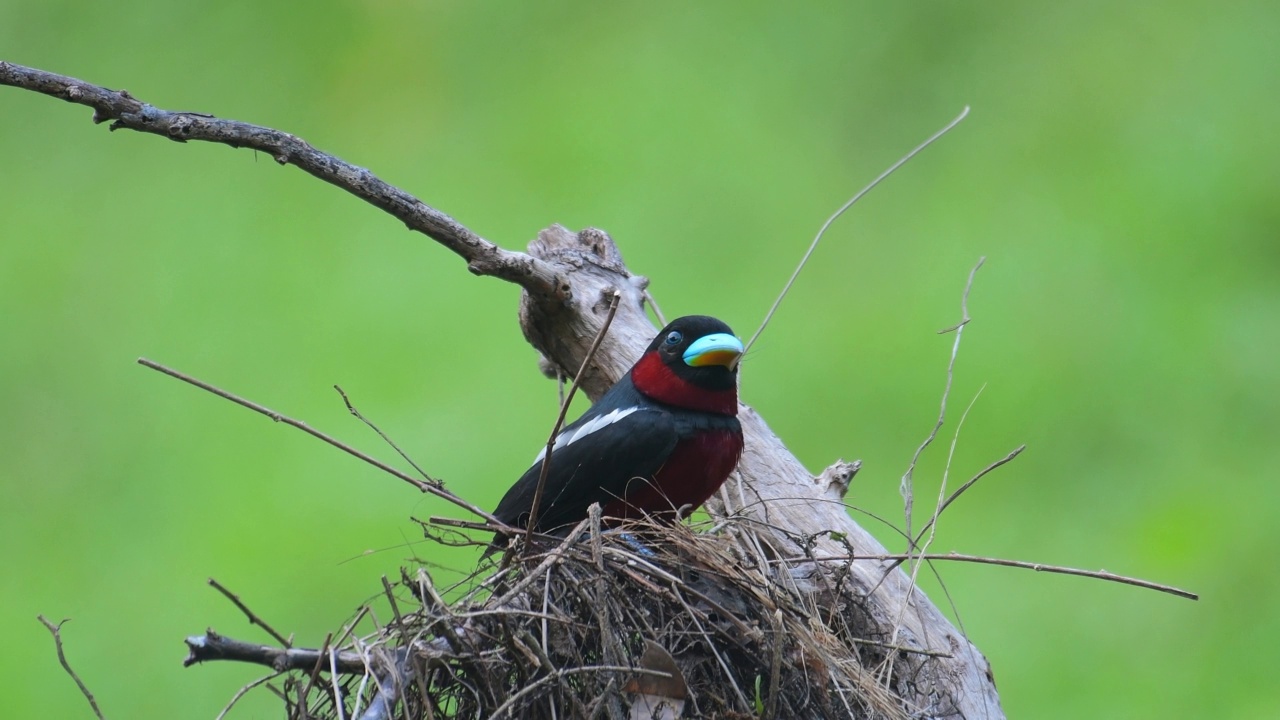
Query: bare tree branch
{"type": "Point", "coordinates": [356, 412]}
{"type": "Point", "coordinates": [253, 619]}
{"type": "Point", "coordinates": [127, 112]}
{"type": "Point", "coordinates": [1021, 564]}
{"type": "Point", "coordinates": [56, 631]}
{"type": "Point", "coordinates": [425, 486]}
{"type": "Point", "coordinates": [212, 646]}
{"type": "Point", "coordinates": [961, 490]}
{"type": "Point", "coordinates": [564, 409]}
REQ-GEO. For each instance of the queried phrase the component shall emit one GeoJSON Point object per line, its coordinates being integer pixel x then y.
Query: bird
{"type": "Point", "coordinates": [659, 442]}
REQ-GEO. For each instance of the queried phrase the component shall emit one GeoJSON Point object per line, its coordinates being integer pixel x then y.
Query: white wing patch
{"type": "Point", "coordinates": [568, 437]}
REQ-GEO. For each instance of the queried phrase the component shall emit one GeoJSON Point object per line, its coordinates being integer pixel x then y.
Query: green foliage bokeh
{"type": "Point", "coordinates": [1119, 171]}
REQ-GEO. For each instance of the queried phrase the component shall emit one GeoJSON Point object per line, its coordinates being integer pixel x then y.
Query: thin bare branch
{"type": "Point", "coordinates": [253, 619]}
{"type": "Point", "coordinates": [391, 598]}
{"type": "Point", "coordinates": [834, 216]}
{"type": "Point", "coordinates": [915, 542]}
{"type": "Point", "coordinates": [352, 409]}
{"type": "Point", "coordinates": [964, 300]}
{"type": "Point", "coordinates": [242, 691]}
{"type": "Point", "coordinates": [315, 675]}
{"type": "Point", "coordinates": [558, 674]}
{"type": "Point", "coordinates": [775, 667]}
{"type": "Point", "coordinates": [333, 682]}
{"type": "Point", "coordinates": [351, 624]}
{"type": "Point", "coordinates": [56, 631]}
{"type": "Point", "coordinates": [903, 648]}
{"type": "Point", "coordinates": [942, 489]}
{"type": "Point", "coordinates": [906, 487]}
{"type": "Point", "coordinates": [425, 487]}
{"type": "Point", "coordinates": [390, 686]}
{"type": "Point", "coordinates": [127, 112]}
{"type": "Point", "coordinates": [564, 409]}
{"type": "Point", "coordinates": [1038, 567]}
{"type": "Point", "coordinates": [970, 483]}
{"type": "Point", "coordinates": [657, 311]}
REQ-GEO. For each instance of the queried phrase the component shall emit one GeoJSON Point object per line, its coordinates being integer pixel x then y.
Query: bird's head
{"type": "Point", "coordinates": [693, 364]}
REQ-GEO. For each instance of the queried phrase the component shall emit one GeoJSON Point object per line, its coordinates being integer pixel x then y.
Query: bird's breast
{"type": "Point", "coordinates": [697, 467]}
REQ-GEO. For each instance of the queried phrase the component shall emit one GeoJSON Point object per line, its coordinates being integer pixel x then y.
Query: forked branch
{"type": "Point", "coordinates": [433, 488]}
{"type": "Point", "coordinates": [55, 629]}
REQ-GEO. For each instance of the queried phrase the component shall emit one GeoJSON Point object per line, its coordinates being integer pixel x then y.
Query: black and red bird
{"type": "Point", "coordinates": [660, 441]}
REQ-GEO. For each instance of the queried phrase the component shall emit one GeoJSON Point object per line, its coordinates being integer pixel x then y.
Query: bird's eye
{"type": "Point", "coordinates": [674, 337]}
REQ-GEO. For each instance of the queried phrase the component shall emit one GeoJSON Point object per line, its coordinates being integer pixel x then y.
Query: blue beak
{"type": "Point", "coordinates": [715, 349]}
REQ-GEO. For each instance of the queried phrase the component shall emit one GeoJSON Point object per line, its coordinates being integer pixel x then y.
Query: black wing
{"type": "Point", "coordinates": [593, 460]}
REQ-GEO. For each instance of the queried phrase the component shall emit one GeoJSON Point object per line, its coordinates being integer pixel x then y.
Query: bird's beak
{"type": "Point", "coordinates": [715, 349]}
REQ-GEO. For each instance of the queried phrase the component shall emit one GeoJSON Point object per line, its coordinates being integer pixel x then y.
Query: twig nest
{"type": "Point", "coordinates": [647, 620]}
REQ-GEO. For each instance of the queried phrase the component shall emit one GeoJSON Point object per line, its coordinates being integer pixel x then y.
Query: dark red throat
{"type": "Point", "coordinates": [652, 377]}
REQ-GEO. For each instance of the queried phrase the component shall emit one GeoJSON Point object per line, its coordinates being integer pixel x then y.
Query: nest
{"type": "Point", "coordinates": [645, 621]}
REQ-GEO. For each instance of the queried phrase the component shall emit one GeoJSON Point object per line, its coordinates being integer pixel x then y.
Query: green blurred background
{"type": "Point", "coordinates": [1119, 171]}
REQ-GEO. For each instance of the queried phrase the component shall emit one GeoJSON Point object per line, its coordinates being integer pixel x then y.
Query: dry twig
{"type": "Point", "coordinates": [426, 487]}
{"type": "Point", "coordinates": [961, 490]}
{"type": "Point", "coordinates": [56, 631]}
{"type": "Point", "coordinates": [1038, 567]}
{"type": "Point", "coordinates": [564, 409]}
{"type": "Point", "coordinates": [906, 487]}
{"type": "Point", "coordinates": [836, 215]}
{"type": "Point", "coordinates": [244, 691]}
{"type": "Point", "coordinates": [253, 619]}
{"type": "Point", "coordinates": [352, 409]}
